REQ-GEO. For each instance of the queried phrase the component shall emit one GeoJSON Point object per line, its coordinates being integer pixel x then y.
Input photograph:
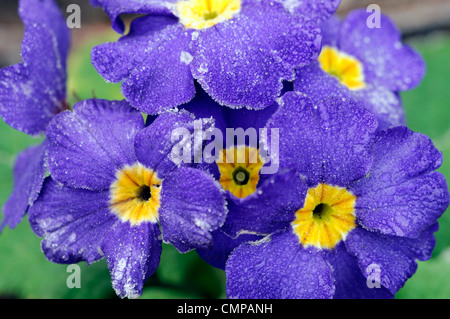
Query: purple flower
{"type": "Point", "coordinates": [31, 94]}
{"type": "Point", "coordinates": [203, 106]}
{"type": "Point", "coordinates": [348, 202]}
{"type": "Point", "coordinates": [227, 46]}
{"type": "Point", "coordinates": [33, 91]}
{"type": "Point", "coordinates": [29, 174]}
{"type": "Point", "coordinates": [113, 189]}
{"type": "Point", "coordinates": [367, 64]}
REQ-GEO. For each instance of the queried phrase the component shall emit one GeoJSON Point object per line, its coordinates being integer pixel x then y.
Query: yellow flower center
{"type": "Point", "coordinates": [202, 14]}
{"type": "Point", "coordinates": [326, 218]}
{"type": "Point", "coordinates": [135, 194]}
{"type": "Point", "coordinates": [239, 170]}
{"type": "Point", "coordinates": [347, 69]}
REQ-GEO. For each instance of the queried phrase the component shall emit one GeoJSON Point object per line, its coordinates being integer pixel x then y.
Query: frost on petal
{"type": "Point", "coordinates": [153, 68]}
{"type": "Point", "coordinates": [278, 267]}
{"type": "Point", "coordinates": [192, 207]}
{"type": "Point", "coordinates": [29, 173]}
{"type": "Point", "coordinates": [72, 221]}
{"type": "Point", "coordinates": [88, 145]}
{"type": "Point", "coordinates": [132, 254]}
{"type": "Point", "coordinates": [242, 63]}
{"type": "Point", "coordinates": [32, 92]}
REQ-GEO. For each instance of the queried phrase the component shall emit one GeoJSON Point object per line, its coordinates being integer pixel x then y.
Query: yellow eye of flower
{"type": "Point", "coordinates": [202, 14]}
{"type": "Point", "coordinates": [239, 170]}
{"type": "Point", "coordinates": [326, 217]}
{"type": "Point", "coordinates": [135, 194]}
{"type": "Point", "coordinates": [347, 69]}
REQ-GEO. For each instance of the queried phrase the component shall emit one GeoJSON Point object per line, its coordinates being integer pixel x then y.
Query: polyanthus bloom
{"type": "Point", "coordinates": [347, 199]}
{"type": "Point", "coordinates": [31, 94]}
{"type": "Point", "coordinates": [113, 189]}
{"type": "Point", "coordinates": [239, 51]}
{"type": "Point", "coordinates": [236, 165]}
{"type": "Point", "coordinates": [369, 64]}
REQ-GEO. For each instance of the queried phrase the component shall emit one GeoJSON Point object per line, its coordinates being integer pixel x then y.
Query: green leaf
{"type": "Point", "coordinates": [167, 293]}
{"type": "Point", "coordinates": [427, 108]}
{"type": "Point", "coordinates": [430, 280]}
{"type": "Point", "coordinates": [26, 273]}
{"type": "Point", "coordinates": [190, 272]}
{"type": "Point", "coordinates": [83, 80]}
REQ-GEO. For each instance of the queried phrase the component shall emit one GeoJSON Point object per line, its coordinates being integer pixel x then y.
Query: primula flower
{"type": "Point", "coordinates": [370, 65]}
{"type": "Point", "coordinates": [31, 94]}
{"type": "Point", "coordinates": [240, 51]}
{"type": "Point", "coordinates": [236, 167]}
{"type": "Point", "coordinates": [113, 189]}
{"type": "Point", "coordinates": [347, 199]}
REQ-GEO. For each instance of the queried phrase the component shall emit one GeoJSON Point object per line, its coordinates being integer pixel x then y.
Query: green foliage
{"type": "Point", "coordinates": [431, 280]}
{"type": "Point", "coordinates": [83, 80]}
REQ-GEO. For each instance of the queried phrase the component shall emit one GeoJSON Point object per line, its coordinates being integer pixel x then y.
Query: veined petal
{"type": "Point", "coordinates": [88, 145]}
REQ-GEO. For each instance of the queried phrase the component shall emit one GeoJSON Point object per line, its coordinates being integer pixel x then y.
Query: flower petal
{"type": "Point", "coordinates": [72, 221]}
{"type": "Point", "coordinates": [386, 105]}
{"type": "Point", "coordinates": [132, 254]}
{"type": "Point", "coordinates": [155, 143]}
{"type": "Point", "coordinates": [88, 145]}
{"type": "Point", "coordinates": [153, 67]}
{"type": "Point", "coordinates": [330, 31]}
{"type": "Point", "coordinates": [315, 83]}
{"type": "Point", "coordinates": [29, 173]}
{"type": "Point", "coordinates": [242, 63]}
{"type": "Point", "coordinates": [32, 92]}
{"type": "Point", "coordinates": [192, 206]}
{"type": "Point", "coordinates": [327, 143]}
{"type": "Point", "coordinates": [203, 106]}
{"type": "Point", "coordinates": [222, 246]}
{"type": "Point", "coordinates": [114, 8]}
{"type": "Point", "coordinates": [349, 281]}
{"type": "Point", "coordinates": [402, 195]}
{"type": "Point", "coordinates": [278, 267]}
{"type": "Point", "coordinates": [394, 256]}
{"type": "Point", "coordinates": [270, 208]}
{"type": "Point", "coordinates": [386, 60]}
{"type": "Point", "coordinates": [314, 10]}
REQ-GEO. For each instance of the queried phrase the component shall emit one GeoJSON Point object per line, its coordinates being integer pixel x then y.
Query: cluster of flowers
{"type": "Point", "coordinates": [354, 186]}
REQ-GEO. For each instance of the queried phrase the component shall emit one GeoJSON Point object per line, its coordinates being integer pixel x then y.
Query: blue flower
{"type": "Point", "coordinates": [31, 94]}
{"type": "Point", "coordinates": [113, 189]}
{"type": "Point", "coordinates": [227, 46]}
{"type": "Point", "coordinates": [347, 198]}
{"type": "Point", "coordinates": [370, 65]}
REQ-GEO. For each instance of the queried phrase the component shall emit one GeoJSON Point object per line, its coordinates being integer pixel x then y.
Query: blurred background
{"type": "Point", "coordinates": [24, 271]}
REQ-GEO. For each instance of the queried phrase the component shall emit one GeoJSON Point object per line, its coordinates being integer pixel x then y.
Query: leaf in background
{"type": "Point", "coordinates": [430, 280]}
{"type": "Point", "coordinates": [190, 273]}
{"type": "Point", "coordinates": [167, 293]}
{"type": "Point", "coordinates": [83, 80]}
{"type": "Point", "coordinates": [427, 106]}
{"type": "Point", "coordinates": [26, 273]}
